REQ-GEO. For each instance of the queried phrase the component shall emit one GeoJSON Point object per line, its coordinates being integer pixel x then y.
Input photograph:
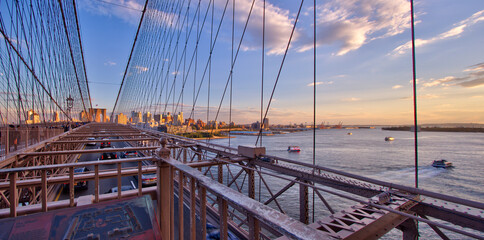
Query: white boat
{"type": "Point", "coordinates": [441, 163]}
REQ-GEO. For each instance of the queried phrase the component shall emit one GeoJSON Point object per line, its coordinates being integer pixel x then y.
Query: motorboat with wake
{"type": "Point", "coordinates": [293, 149]}
{"type": "Point", "coordinates": [441, 163]}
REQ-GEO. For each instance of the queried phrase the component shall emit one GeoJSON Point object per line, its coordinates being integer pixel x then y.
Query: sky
{"type": "Point", "coordinates": [364, 62]}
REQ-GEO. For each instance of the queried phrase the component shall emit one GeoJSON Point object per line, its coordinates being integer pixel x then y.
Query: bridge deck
{"type": "Point", "coordinates": [36, 173]}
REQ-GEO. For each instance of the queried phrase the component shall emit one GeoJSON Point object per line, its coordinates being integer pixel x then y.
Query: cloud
{"type": "Point", "coordinates": [353, 23]}
{"type": "Point", "coordinates": [473, 83]}
{"type": "Point", "coordinates": [442, 82]}
{"type": "Point", "coordinates": [416, 80]}
{"type": "Point", "coordinates": [339, 76]}
{"type": "Point", "coordinates": [162, 18]}
{"type": "Point", "coordinates": [14, 41]}
{"type": "Point", "coordinates": [397, 86]}
{"type": "Point", "coordinates": [319, 83]}
{"type": "Point", "coordinates": [140, 69]}
{"type": "Point", "coordinates": [454, 32]}
{"type": "Point", "coordinates": [426, 96]}
{"type": "Point", "coordinates": [476, 67]}
{"type": "Point", "coordinates": [127, 10]}
{"type": "Point", "coordinates": [474, 78]}
{"type": "Point", "coordinates": [353, 99]}
{"type": "Point", "coordinates": [109, 63]}
{"type": "Point", "coordinates": [277, 30]}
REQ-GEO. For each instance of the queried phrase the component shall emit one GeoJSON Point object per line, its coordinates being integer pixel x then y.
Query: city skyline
{"type": "Point", "coordinates": [364, 64]}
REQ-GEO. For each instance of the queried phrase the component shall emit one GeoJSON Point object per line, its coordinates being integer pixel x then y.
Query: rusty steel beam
{"type": "Point", "coordinates": [101, 150]}
{"type": "Point", "coordinates": [101, 140]}
{"type": "Point", "coordinates": [106, 135]}
{"type": "Point", "coordinates": [12, 157]}
{"type": "Point", "coordinates": [105, 132]}
{"type": "Point", "coordinates": [284, 224]}
{"type": "Point", "coordinates": [466, 217]}
{"type": "Point", "coordinates": [412, 190]}
{"type": "Point", "coordinates": [90, 176]}
{"type": "Point", "coordinates": [35, 208]}
{"type": "Point", "coordinates": [334, 183]}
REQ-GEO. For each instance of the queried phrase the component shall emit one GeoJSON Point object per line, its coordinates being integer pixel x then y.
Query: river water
{"type": "Point", "coordinates": [365, 152]}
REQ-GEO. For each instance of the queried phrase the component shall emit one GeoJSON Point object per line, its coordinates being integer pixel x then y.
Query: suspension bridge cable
{"type": "Point", "coordinates": [235, 59]}
{"type": "Point", "coordinates": [314, 93]}
{"type": "Point", "coordinates": [232, 74]}
{"type": "Point", "coordinates": [82, 56]}
{"type": "Point", "coordinates": [210, 70]}
{"type": "Point", "coordinates": [262, 71]}
{"type": "Point", "coordinates": [414, 83]}
{"type": "Point", "coordinates": [282, 64]}
{"type": "Point", "coordinates": [129, 59]}
{"type": "Point", "coordinates": [32, 72]}
{"type": "Point", "coordinates": [72, 54]}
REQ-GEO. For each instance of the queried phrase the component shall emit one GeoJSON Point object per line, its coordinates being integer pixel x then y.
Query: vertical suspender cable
{"type": "Point", "coordinates": [314, 92]}
{"type": "Point", "coordinates": [262, 82]}
{"type": "Point", "coordinates": [282, 65]}
{"type": "Point", "coordinates": [415, 132]}
{"type": "Point", "coordinates": [235, 56]}
{"type": "Point", "coordinates": [129, 59]}
{"type": "Point", "coordinates": [6, 37]}
{"type": "Point", "coordinates": [210, 70]}
{"type": "Point", "coordinates": [72, 55]}
{"type": "Point", "coordinates": [415, 123]}
{"type": "Point", "coordinates": [82, 56]}
{"type": "Point", "coordinates": [196, 57]}
{"type": "Point", "coordinates": [231, 70]}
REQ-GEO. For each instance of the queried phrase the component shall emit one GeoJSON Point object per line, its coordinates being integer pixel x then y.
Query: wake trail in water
{"type": "Point", "coordinates": [404, 174]}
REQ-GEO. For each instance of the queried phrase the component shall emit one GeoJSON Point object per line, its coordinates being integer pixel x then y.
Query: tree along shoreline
{"type": "Point", "coordinates": [203, 135]}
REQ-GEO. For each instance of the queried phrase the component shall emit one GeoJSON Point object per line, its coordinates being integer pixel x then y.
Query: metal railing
{"type": "Point", "coordinates": [174, 179]}
{"type": "Point", "coordinates": [14, 183]}
{"type": "Point", "coordinates": [15, 138]}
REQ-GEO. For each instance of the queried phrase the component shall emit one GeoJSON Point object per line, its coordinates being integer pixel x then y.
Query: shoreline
{"type": "Point", "coordinates": [436, 129]}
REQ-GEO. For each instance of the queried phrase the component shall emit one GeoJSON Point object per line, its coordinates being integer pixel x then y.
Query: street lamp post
{"type": "Point", "coordinates": [70, 104]}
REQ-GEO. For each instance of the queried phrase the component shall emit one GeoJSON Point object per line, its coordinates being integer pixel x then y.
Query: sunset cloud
{"type": "Point", "coordinates": [278, 26]}
{"type": "Point", "coordinates": [320, 83]}
{"type": "Point", "coordinates": [454, 32]}
{"type": "Point", "coordinates": [474, 78]}
{"type": "Point", "coordinates": [424, 96]}
{"type": "Point", "coordinates": [353, 99]}
{"type": "Point", "coordinates": [397, 86]}
{"type": "Point", "coordinates": [353, 23]}
{"type": "Point", "coordinates": [439, 82]}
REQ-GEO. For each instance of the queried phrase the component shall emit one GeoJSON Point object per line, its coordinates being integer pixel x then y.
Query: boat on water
{"type": "Point", "coordinates": [441, 163]}
{"type": "Point", "coordinates": [389, 139]}
{"type": "Point", "coordinates": [350, 133]}
{"type": "Point", "coordinates": [293, 149]}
